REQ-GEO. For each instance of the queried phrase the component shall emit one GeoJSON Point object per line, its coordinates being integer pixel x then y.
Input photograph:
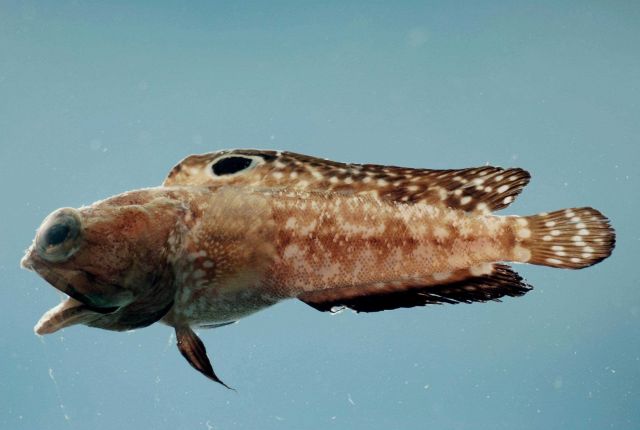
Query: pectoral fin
{"type": "Point", "coordinates": [192, 348]}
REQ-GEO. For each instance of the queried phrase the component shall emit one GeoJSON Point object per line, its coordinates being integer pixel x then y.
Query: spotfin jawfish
{"type": "Point", "coordinates": [232, 232]}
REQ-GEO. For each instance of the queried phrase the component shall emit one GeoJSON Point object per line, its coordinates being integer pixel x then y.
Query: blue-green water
{"type": "Point", "coordinates": [97, 99]}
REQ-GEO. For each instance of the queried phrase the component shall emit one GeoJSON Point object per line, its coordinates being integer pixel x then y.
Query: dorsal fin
{"type": "Point", "coordinates": [485, 188]}
{"type": "Point", "coordinates": [499, 282]}
{"type": "Point", "coordinates": [482, 188]}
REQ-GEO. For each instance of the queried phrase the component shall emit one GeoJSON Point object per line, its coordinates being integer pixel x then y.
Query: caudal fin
{"type": "Point", "coordinates": [569, 238]}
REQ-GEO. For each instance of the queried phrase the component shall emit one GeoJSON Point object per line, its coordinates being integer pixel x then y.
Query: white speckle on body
{"type": "Point", "coordinates": [521, 254]}
{"type": "Point", "coordinates": [441, 276]}
{"type": "Point", "coordinates": [524, 233]}
{"type": "Point", "coordinates": [481, 269]}
{"type": "Point", "coordinates": [440, 232]}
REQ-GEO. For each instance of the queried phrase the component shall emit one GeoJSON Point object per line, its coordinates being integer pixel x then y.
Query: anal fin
{"type": "Point", "coordinates": [500, 282]}
{"type": "Point", "coordinates": [192, 348]}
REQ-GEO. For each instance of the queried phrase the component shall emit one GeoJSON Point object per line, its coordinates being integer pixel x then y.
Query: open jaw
{"type": "Point", "coordinates": [80, 307]}
{"type": "Point", "coordinates": [67, 313]}
{"type": "Point", "coordinates": [76, 309]}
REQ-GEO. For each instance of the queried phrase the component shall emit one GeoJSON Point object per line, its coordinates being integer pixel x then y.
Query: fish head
{"type": "Point", "coordinates": [111, 258]}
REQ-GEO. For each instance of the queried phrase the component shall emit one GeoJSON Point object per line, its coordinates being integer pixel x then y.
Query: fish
{"type": "Point", "coordinates": [232, 232]}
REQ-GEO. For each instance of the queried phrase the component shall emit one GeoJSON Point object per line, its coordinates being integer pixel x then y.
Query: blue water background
{"type": "Point", "coordinates": [97, 98]}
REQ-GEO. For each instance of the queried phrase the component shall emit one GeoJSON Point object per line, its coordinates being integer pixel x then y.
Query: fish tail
{"type": "Point", "coordinates": [569, 238]}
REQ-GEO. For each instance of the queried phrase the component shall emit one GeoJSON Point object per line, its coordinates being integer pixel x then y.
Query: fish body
{"type": "Point", "coordinates": [253, 248]}
{"type": "Point", "coordinates": [233, 232]}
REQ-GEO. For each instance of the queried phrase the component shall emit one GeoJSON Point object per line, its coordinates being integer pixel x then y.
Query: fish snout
{"type": "Point", "coordinates": [58, 238]}
{"type": "Point", "coordinates": [27, 262]}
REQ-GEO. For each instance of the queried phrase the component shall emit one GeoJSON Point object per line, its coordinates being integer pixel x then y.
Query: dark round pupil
{"type": "Point", "coordinates": [57, 234]}
{"type": "Point", "coordinates": [230, 165]}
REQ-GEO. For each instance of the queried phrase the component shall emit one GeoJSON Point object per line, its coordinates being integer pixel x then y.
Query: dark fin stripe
{"type": "Point", "coordinates": [501, 282]}
{"type": "Point", "coordinates": [192, 348]}
{"type": "Point", "coordinates": [569, 238]}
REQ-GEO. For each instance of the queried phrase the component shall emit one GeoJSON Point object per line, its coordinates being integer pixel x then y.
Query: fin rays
{"type": "Point", "coordinates": [501, 282]}
{"type": "Point", "coordinates": [484, 188]}
{"type": "Point", "coordinates": [192, 348]}
{"type": "Point", "coordinates": [570, 238]}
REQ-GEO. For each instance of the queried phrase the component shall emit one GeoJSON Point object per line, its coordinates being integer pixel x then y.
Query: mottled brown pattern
{"type": "Point", "coordinates": [223, 259]}
{"type": "Point", "coordinates": [335, 241]}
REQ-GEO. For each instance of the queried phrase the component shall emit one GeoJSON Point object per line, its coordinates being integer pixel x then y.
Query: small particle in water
{"type": "Point", "coordinates": [557, 383]}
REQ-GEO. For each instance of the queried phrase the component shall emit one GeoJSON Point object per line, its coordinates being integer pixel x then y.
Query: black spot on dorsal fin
{"type": "Point", "coordinates": [501, 282]}
{"type": "Point", "coordinates": [230, 165]}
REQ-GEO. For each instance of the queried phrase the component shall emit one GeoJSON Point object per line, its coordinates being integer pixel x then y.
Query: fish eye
{"type": "Point", "coordinates": [57, 234]}
{"type": "Point", "coordinates": [58, 237]}
{"type": "Point", "coordinates": [232, 164]}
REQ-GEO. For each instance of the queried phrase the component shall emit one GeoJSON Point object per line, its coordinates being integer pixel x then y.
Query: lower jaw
{"type": "Point", "coordinates": [67, 313]}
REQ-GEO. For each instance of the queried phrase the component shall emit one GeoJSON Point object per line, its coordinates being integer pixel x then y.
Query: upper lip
{"type": "Point", "coordinates": [26, 262]}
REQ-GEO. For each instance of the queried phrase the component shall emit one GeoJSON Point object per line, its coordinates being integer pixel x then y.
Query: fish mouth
{"type": "Point", "coordinates": [80, 307]}
{"type": "Point", "coordinates": [67, 313]}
